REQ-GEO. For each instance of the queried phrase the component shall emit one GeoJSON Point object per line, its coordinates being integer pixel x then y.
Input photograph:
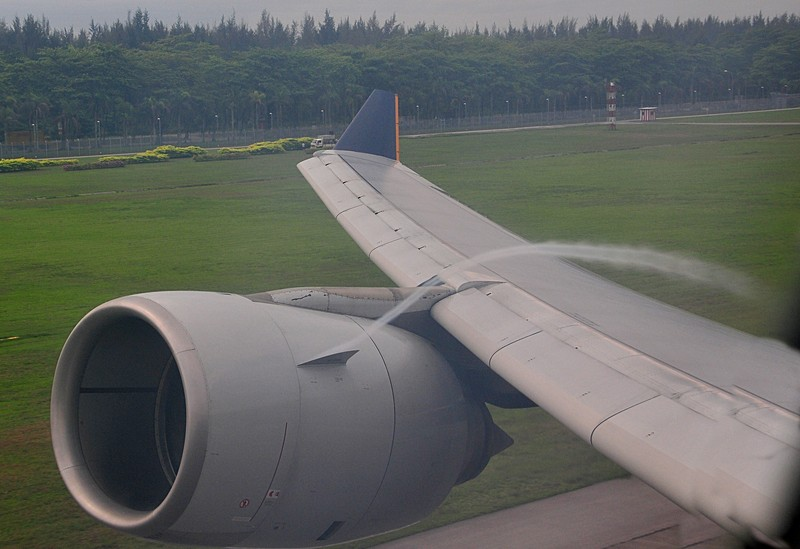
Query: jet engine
{"type": "Point", "coordinates": [215, 419]}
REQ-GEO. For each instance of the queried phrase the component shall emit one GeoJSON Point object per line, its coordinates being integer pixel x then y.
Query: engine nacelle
{"type": "Point", "coordinates": [212, 419]}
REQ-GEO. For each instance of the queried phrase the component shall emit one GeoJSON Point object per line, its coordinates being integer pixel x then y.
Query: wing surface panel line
{"type": "Point", "coordinates": [591, 436]}
{"type": "Point", "coordinates": [632, 363]}
{"type": "Point", "coordinates": [700, 441]}
{"type": "Point", "coordinates": [691, 392]}
{"type": "Point", "coordinates": [354, 223]}
{"type": "Point", "coordinates": [654, 436]}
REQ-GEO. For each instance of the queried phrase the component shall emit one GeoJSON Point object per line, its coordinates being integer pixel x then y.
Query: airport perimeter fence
{"type": "Point", "coordinates": [106, 145]}
{"type": "Point", "coordinates": [413, 125]}
{"type": "Point", "coordinates": [409, 125]}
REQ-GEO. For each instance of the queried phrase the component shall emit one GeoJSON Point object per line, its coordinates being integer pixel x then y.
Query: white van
{"type": "Point", "coordinates": [323, 142]}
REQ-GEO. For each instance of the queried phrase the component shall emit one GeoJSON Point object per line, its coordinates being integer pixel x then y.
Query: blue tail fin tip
{"type": "Point", "coordinates": [373, 130]}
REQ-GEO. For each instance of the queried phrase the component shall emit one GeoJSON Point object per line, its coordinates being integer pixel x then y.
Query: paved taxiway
{"type": "Point", "coordinates": [619, 513]}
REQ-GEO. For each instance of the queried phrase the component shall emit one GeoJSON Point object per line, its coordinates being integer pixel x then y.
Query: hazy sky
{"type": "Point", "coordinates": [449, 13]}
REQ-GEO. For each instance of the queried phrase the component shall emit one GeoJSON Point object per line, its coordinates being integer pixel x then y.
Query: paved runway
{"type": "Point", "coordinates": [619, 513]}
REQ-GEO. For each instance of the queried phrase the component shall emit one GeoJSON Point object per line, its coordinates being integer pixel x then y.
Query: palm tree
{"type": "Point", "coordinates": [257, 99]}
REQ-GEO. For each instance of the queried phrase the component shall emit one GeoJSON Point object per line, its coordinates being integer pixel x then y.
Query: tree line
{"type": "Point", "coordinates": [142, 77]}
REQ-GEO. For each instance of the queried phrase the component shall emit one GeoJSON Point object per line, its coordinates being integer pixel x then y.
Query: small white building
{"type": "Point", "coordinates": [647, 114]}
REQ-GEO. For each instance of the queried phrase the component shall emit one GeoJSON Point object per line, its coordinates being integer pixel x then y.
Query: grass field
{"type": "Point", "coordinates": [725, 193]}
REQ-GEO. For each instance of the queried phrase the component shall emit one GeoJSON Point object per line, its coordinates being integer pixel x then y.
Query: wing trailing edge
{"type": "Point", "coordinates": [376, 127]}
{"type": "Point", "coordinates": [712, 425]}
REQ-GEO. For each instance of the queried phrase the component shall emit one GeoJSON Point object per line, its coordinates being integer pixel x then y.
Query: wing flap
{"type": "Point", "coordinates": [721, 468]}
{"type": "Point", "coordinates": [691, 441]}
{"type": "Point", "coordinates": [577, 388]}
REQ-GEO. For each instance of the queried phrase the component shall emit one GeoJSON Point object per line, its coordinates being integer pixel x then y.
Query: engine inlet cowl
{"type": "Point", "coordinates": [212, 419]}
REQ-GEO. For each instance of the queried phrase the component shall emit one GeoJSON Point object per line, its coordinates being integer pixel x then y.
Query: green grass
{"type": "Point", "coordinates": [72, 240]}
{"type": "Point", "coordinates": [779, 116]}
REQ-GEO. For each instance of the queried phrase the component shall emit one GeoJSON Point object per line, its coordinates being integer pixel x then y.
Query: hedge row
{"type": "Point", "coordinates": [256, 148]}
{"type": "Point", "coordinates": [26, 164]}
{"type": "Point", "coordinates": [161, 154]}
{"type": "Point", "coordinates": [147, 157]}
{"type": "Point", "coordinates": [216, 157]}
{"type": "Point", "coordinates": [99, 165]}
{"type": "Point", "coordinates": [295, 143]}
{"type": "Point", "coordinates": [270, 147]}
{"type": "Point", "coordinates": [58, 162]}
{"type": "Point", "coordinates": [179, 152]}
{"type": "Point", "coordinates": [18, 165]}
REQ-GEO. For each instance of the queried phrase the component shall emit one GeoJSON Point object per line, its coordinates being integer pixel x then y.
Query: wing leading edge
{"type": "Point", "coordinates": [703, 413]}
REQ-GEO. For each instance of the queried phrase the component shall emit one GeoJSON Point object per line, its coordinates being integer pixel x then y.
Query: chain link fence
{"type": "Point", "coordinates": [30, 145]}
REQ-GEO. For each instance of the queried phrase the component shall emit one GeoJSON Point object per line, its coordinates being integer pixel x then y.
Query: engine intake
{"type": "Point", "coordinates": [213, 419]}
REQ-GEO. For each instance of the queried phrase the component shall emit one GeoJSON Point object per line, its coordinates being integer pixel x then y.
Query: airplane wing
{"type": "Point", "coordinates": [705, 414]}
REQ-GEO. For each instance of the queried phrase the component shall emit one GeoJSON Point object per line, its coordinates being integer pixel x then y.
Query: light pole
{"type": "Point", "coordinates": [35, 137]}
{"type": "Point", "coordinates": [216, 127]}
{"type": "Point", "coordinates": [508, 108]}
{"type": "Point", "coordinates": [730, 83]}
{"type": "Point", "coordinates": [97, 133]}
{"type": "Point", "coordinates": [659, 100]}
{"type": "Point", "coordinates": [417, 115]}
{"type": "Point", "coordinates": [158, 137]}
{"type": "Point", "coordinates": [547, 118]}
{"type": "Point", "coordinates": [270, 121]}
{"type": "Point", "coordinates": [323, 117]}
